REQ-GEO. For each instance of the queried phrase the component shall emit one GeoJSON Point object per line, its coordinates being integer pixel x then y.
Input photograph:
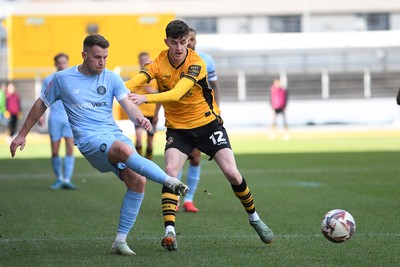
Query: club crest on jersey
{"type": "Point", "coordinates": [101, 90]}
{"type": "Point", "coordinates": [103, 147]}
{"type": "Point", "coordinates": [194, 70]}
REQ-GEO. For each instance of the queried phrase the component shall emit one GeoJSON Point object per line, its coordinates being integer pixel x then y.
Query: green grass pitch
{"type": "Point", "coordinates": [294, 183]}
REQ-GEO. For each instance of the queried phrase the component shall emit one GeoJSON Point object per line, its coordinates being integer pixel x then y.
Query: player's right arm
{"type": "Point", "coordinates": [34, 115]}
{"type": "Point", "coordinates": [178, 91]}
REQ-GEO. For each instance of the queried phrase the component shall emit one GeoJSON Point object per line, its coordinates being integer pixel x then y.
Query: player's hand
{"type": "Point", "coordinates": [145, 123]}
{"type": "Point", "coordinates": [19, 141]}
{"type": "Point", "coordinates": [137, 99]}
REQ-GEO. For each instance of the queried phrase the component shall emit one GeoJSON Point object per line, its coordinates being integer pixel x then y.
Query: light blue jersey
{"type": "Point", "coordinates": [57, 111]}
{"type": "Point", "coordinates": [88, 100]}
{"type": "Point", "coordinates": [58, 120]}
{"type": "Point", "coordinates": [210, 65]}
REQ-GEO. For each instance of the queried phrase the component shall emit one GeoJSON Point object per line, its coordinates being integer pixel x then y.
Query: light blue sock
{"type": "Point", "coordinates": [129, 211]}
{"type": "Point", "coordinates": [69, 162]}
{"type": "Point", "coordinates": [56, 163]}
{"type": "Point", "coordinates": [146, 167]}
{"type": "Point", "coordinates": [180, 175]}
{"type": "Point", "coordinates": [193, 178]}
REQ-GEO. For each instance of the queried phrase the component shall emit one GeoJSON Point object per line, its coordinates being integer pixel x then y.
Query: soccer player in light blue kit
{"type": "Point", "coordinates": [87, 92]}
{"type": "Point", "coordinates": [58, 127]}
{"type": "Point", "coordinates": [193, 174]}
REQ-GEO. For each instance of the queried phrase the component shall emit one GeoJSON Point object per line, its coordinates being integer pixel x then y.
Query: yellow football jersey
{"type": "Point", "coordinates": [186, 109]}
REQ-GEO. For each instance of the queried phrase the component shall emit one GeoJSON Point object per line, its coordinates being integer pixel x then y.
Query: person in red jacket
{"type": "Point", "coordinates": [278, 99]}
{"type": "Point", "coordinates": [13, 106]}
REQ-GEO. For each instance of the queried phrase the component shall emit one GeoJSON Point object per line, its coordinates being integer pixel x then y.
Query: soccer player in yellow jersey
{"type": "Point", "coordinates": [194, 169]}
{"type": "Point", "coordinates": [191, 122]}
{"type": "Point", "coordinates": [150, 111]}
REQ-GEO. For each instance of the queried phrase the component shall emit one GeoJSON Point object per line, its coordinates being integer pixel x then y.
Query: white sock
{"type": "Point", "coordinates": [120, 237]}
{"type": "Point", "coordinates": [254, 217]}
{"type": "Point", "coordinates": [169, 228]}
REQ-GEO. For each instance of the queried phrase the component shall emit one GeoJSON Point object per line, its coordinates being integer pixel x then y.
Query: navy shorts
{"type": "Point", "coordinates": [209, 139]}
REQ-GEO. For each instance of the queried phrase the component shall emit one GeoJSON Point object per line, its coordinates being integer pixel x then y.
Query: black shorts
{"type": "Point", "coordinates": [279, 110]}
{"type": "Point", "coordinates": [209, 139]}
{"type": "Point", "coordinates": [151, 121]}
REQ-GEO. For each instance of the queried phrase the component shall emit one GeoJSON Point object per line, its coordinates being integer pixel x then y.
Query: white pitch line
{"type": "Point", "coordinates": [197, 237]}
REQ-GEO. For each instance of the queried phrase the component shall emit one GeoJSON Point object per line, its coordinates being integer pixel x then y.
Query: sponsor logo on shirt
{"type": "Point", "coordinates": [89, 105]}
{"type": "Point", "coordinates": [194, 70]}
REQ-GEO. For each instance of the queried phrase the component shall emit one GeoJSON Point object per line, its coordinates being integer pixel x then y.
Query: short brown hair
{"type": "Point", "coordinates": [56, 57]}
{"type": "Point", "coordinates": [95, 39]}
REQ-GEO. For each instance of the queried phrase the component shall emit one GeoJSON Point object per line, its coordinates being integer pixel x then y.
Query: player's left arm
{"type": "Point", "coordinates": [136, 82]}
{"type": "Point", "coordinates": [134, 114]}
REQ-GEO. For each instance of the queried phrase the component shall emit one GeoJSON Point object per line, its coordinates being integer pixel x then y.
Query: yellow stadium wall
{"type": "Point", "coordinates": [34, 40]}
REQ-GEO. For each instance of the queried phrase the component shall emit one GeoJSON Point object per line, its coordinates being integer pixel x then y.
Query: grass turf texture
{"type": "Point", "coordinates": [294, 183]}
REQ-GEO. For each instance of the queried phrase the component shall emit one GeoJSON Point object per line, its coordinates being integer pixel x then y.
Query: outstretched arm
{"type": "Point", "coordinates": [34, 115]}
{"type": "Point", "coordinates": [175, 94]}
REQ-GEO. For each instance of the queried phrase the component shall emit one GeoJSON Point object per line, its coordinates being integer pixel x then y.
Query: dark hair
{"type": "Point", "coordinates": [95, 39]}
{"type": "Point", "coordinates": [177, 29]}
{"type": "Point", "coordinates": [192, 30]}
{"type": "Point", "coordinates": [56, 57]}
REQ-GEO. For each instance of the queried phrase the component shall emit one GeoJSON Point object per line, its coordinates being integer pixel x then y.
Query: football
{"type": "Point", "coordinates": [338, 226]}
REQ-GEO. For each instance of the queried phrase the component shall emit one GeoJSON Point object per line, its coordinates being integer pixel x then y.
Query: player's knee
{"type": "Point", "coordinates": [195, 157]}
{"type": "Point", "coordinates": [195, 161]}
{"type": "Point", "coordinates": [123, 150]}
{"type": "Point", "coordinates": [233, 176]}
{"type": "Point", "coordinates": [135, 181]}
{"type": "Point", "coordinates": [170, 170]}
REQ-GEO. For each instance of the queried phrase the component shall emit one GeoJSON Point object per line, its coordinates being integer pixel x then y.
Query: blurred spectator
{"type": "Point", "coordinates": [278, 99]}
{"type": "Point", "coordinates": [13, 105]}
